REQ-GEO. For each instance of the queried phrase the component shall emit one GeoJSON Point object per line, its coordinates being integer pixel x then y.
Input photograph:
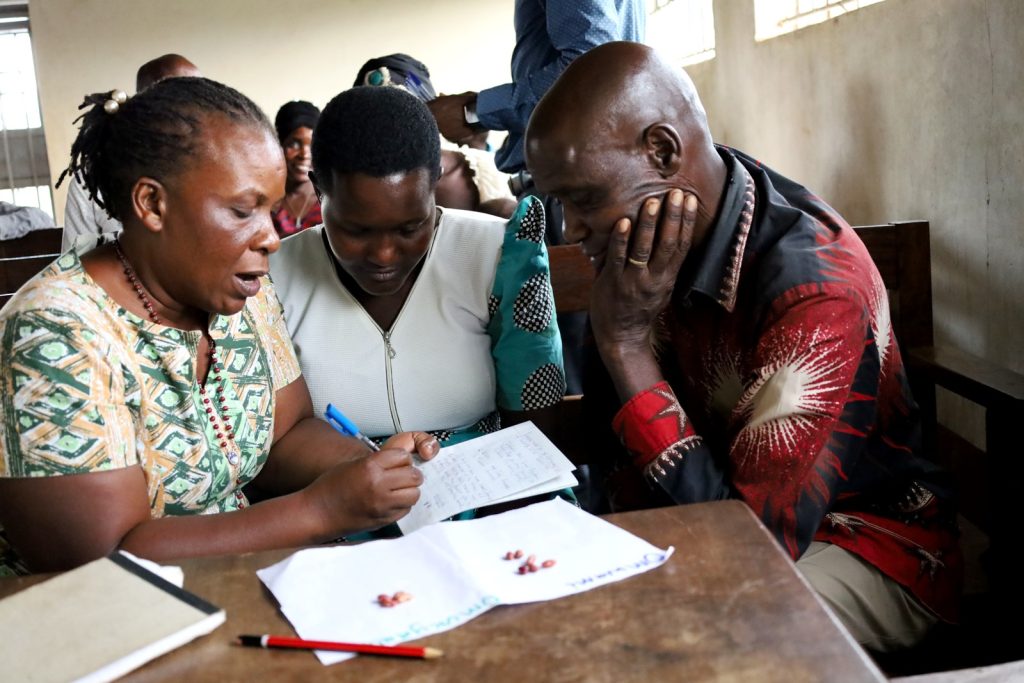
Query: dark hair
{"type": "Point", "coordinates": [293, 115]}
{"type": "Point", "coordinates": [151, 134]}
{"type": "Point", "coordinates": [376, 131]}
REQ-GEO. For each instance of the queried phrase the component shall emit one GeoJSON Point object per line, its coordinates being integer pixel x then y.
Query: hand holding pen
{"type": "Point", "coordinates": [366, 491]}
{"type": "Point", "coordinates": [424, 446]}
{"type": "Point", "coordinates": [337, 419]}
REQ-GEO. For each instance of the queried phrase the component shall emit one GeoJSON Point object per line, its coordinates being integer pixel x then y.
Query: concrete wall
{"type": "Point", "coordinates": [905, 109]}
{"type": "Point", "coordinates": [272, 50]}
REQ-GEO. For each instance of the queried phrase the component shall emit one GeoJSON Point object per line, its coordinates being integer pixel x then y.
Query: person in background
{"type": "Point", "coordinates": [744, 337]}
{"type": "Point", "coordinates": [469, 179]}
{"type": "Point", "coordinates": [147, 381]}
{"type": "Point", "coordinates": [18, 221]}
{"type": "Point", "coordinates": [84, 217]}
{"type": "Point", "coordinates": [300, 208]}
{"type": "Point", "coordinates": [550, 34]}
{"type": "Point", "coordinates": [165, 66]}
{"type": "Point", "coordinates": [404, 314]}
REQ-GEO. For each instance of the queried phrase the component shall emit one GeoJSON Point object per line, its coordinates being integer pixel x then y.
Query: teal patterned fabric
{"type": "Point", "coordinates": [525, 343]}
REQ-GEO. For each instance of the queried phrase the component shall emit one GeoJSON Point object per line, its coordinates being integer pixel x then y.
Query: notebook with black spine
{"type": "Point", "coordinates": [98, 622]}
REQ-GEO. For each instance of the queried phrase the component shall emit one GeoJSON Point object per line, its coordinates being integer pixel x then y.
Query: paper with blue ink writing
{"type": "Point", "coordinates": [510, 464]}
{"type": "Point", "coordinates": [455, 572]}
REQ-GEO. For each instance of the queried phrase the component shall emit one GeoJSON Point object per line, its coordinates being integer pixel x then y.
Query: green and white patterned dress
{"type": "Point", "coordinates": [88, 386]}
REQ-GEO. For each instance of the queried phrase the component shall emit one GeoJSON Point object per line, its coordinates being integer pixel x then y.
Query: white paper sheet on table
{"type": "Point", "coordinates": [509, 464]}
{"type": "Point", "coordinates": [455, 572]}
{"type": "Point", "coordinates": [168, 573]}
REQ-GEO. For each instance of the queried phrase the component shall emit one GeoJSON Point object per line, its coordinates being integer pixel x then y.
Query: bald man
{"type": "Point", "coordinates": [83, 218]}
{"type": "Point", "coordinates": [777, 379]}
{"type": "Point", "coordinates": [166, 66]}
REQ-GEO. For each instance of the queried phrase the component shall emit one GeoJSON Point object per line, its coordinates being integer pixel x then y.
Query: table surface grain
{"type": "Point", "coordinates": [727, 606]}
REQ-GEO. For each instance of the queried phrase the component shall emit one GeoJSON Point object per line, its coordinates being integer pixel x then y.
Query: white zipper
{"type": "Point", "coordinates": [389, 353]}
{"type": "Point", "coordinates": [389, 349]}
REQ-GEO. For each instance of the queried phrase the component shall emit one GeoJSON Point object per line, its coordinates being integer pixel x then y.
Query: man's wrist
{"type": "Point", "coordinates": [632, 368]}
{"type": "Point", "coordinates": [625, 354]}
{"type": "Point", "coordinates": [470, 116]}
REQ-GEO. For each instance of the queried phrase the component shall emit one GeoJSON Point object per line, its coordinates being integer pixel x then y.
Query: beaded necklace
{"type": "Point", "coordinates": [222, 427]}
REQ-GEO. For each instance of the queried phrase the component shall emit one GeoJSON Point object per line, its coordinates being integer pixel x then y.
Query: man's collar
{"type": "Point", "coordinates": [717, 275]}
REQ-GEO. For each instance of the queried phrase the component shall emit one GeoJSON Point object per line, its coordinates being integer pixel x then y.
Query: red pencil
{"type": "Point", "coordinates": [360, 648]}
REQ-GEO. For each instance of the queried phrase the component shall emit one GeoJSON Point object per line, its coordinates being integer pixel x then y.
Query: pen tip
{"type": "Point", "coordinates": [432, 653]}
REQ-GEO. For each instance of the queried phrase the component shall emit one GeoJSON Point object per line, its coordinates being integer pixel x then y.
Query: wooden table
{"type": "Point", "coordinates": [727, 606]}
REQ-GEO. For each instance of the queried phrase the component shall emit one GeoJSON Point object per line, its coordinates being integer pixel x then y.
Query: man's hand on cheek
{"type": "Point", "coordinates": [640, 271]}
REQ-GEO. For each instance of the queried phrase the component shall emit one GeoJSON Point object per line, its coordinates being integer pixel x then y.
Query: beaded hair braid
{"type": "Point", "coordinates": [151, 134]}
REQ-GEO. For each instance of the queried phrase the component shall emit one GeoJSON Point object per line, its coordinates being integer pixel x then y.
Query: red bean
{"type": "Point", "coordinates": [547, 563]}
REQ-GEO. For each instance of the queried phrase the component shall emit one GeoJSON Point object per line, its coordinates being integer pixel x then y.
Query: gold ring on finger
{"type": "Point", "coordinates": [637, 262]}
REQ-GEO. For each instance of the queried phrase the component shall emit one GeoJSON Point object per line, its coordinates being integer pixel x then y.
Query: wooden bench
{"type": "Point", "coordinates": [22, 258]}
{"type": "Point", "coordinates": [902, 253]}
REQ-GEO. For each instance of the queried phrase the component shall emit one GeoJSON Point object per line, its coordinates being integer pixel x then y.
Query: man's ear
{"type": "Point", "coordinates": [149, 203]}
{"type": "Point", "coordinates": [664, 149]}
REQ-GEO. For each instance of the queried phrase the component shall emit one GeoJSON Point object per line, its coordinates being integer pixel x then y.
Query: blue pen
{"type": "Point", "coordinates": [337, 419]}
{"type": "Point", "coordinates": [417, 87]}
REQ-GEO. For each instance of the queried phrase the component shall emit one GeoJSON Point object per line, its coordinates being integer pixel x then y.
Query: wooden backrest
{"type": "Point", "coordinates": [571, 277]}
{"type": "Point", "coordinates": [22, 258]}
{"type": "Point", "coordinates": [901, 252]}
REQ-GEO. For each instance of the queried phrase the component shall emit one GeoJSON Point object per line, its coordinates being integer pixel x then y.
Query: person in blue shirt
{"type": "Point", "coordinates": [549, 35]}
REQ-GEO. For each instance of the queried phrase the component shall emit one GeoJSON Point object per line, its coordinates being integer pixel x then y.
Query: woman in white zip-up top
{"type": "Point", "coordinates": [405, 315]}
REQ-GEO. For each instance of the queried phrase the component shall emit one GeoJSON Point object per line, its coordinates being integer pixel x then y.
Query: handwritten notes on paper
{"type": "Point", "coordinates": [456, 571]}
{"type": "Point", "coordinates": [509, 464]}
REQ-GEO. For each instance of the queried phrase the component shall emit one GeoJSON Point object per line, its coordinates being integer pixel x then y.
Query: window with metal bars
{"type": "Point", "coordinates": [776, 17]}
{"type": "Point", "coordinates": [682, 30]}
{"type": "Point", "coordinates": [24, 169]}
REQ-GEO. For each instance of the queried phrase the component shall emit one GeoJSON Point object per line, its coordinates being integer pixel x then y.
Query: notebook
{"type": "Point", "coordinates": [97, 622]}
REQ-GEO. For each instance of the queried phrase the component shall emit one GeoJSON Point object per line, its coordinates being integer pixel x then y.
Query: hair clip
{"type": "Point", "coordinates": [117, 98]}
{"type": "Point", "coordinates": [379, 76]}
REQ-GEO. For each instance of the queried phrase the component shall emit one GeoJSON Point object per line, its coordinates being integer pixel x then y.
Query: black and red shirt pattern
{"type": "Point", "coordinates": [785, 388]}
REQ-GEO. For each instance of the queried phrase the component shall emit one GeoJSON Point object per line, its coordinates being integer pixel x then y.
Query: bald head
{"type": "Point", "coordinates": [167, 66]}
{"type": "Point", "coordinates": [618, 126]}
{"type": "Point", "coordinates": [609, 96]}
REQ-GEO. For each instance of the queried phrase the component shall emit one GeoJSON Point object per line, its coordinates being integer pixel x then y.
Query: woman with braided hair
{"type": "Point", "coordinates": [145, 382]}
